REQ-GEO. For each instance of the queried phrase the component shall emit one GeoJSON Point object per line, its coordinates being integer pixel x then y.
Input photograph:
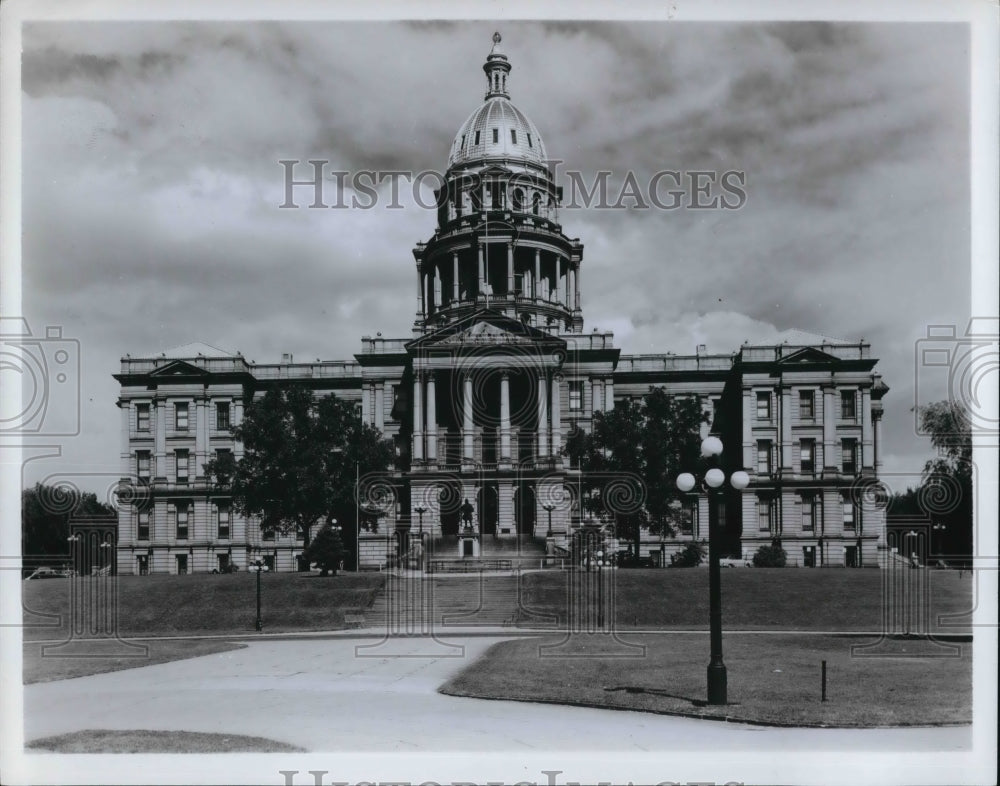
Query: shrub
{"type": "Point", "coordinates": [692, 555]}
{"type": "Point", "coordinates": [772, 556]}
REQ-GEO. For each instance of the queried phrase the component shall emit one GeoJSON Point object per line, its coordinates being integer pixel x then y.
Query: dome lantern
{"type": "Point", "coordinates": [496, 67]}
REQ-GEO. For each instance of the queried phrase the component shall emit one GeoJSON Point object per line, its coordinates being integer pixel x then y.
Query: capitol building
{"type": "Point", "coordinates": [480, 399]}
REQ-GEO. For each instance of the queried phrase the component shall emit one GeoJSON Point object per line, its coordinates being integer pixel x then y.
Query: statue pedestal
{"type": "Point", "coordinates": [468, 543]}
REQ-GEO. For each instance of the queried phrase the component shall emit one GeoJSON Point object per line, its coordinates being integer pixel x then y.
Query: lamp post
{"type": "Point", "coordinates": [105, 556]}
{"type": "Point", "coordinates": [713, 479]}
{"type": "Point", "coordinates": [420, 511]}
{"type": "Point", "coordinates": [73, 540]}
{"type": "Point", "coordinates": [258, 567]}
{"type": "Point", "coordinates": [549, 507]}
{"type": "Point", "coordinates": [914, 560]}
{"type": "Point", "coordinates": [939, 528]}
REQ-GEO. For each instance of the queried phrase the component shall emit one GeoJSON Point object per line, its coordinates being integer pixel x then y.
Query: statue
{"type": "Point", "coordinates": [467, 511]}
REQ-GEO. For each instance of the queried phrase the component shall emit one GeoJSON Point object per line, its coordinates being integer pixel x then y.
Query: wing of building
{"type": "Point", "coordinates": [479, 400]}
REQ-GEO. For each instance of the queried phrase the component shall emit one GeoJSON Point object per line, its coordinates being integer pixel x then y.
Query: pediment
{"type": "Point", "coordinates": [808, 355]}
{"type": "Point", "coordinates": [485, 328]}
{"type": "Point", "coordinates": [178, 368]}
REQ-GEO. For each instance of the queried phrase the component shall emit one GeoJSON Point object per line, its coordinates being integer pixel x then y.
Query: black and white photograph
{"type": "Point", "coordinates": [499, 393]}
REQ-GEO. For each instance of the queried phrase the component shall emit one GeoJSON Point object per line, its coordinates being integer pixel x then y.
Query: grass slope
{"type": "Point", "coordinates": [773, 679]}
{"type": "Point", "coordinates": [756, 598]}
{"type": "Point", "coordinates": [203, 603]}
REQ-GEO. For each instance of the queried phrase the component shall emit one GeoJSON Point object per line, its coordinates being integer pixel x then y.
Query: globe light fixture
{"type": "Point", "coordinates": [712, 482]}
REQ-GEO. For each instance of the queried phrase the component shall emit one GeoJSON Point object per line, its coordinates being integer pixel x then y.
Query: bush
{"type": "Point", "coordinates": [692, 555]}
{"type": "Point", "coordinates": [772, 556]}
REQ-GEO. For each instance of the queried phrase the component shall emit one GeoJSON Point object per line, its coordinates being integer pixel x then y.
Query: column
{"type": "Point", "coordinates": [379, 405]}
{"type": "Point", "coordinates": [504, 416]}
{"type": "Point", "coordinates": [420, 292]}
{"type": "Point", "coordinates": [159, 468]}
{"type": "Point", "coordinates": [482, 271]}
{"type": "Point", "coordinates": [467, 418]}
{"type": "Point", "coordinates": [576, 285]}
{"type": "Point", "coordinates": [556, 423]}
{"type": "Point", "coordinates": [543, 418]}
{"type": "Point", "coordinates": [366, 402]}
{"type": "Point", "coordinates": [609, 394]}
{"type": "Point", "coordinates": [568, 284]}
{"type": "Point", "coordinates": [829, 429]}
{"type": "Point", "coordinates": [418, 418]}
{"type": "Point", "coordinates": [867, 438]}
{"type": "Point", "coordinates": [237, 419]}
{"type": "Point", "coordinates": [200, 437]}
{"type": "Point", "coordinates": [126, 428]}
{"type": "Point", "coordinates": [431, 419]}
{"type": "Point", "coordinates": [510, 269]}
{"type": "Point", "coordinates": [596, 397]}
{"type": "Point", "coordinates": [785, 414]}
{"type": "Point", "coordinates": [454, 276]}
{"type": "Point", "coordinates": [537, 280]}
{"type": "Point", "coordinates": [572, 288]}
{"type": "Point", "coordinates": [877, 417]}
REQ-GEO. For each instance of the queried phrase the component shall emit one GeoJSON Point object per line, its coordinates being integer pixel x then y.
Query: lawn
{"type": "Point", "coordinates": [756, 598]}
{"type": "Point", "coordinates": [142, 741]}
{"type": "Point", "coordinates": [46, 668]}
{"type": "Point", "coordinates": [773, 678]}
{"type": "Point", "coordinates": [201, 603]}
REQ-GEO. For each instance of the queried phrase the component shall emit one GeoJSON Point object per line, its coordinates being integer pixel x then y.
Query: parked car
{"type": "Point", "coordinates": [49, 573]}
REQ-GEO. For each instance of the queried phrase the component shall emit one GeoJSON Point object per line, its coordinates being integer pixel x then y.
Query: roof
{"type": "Point", "coordinates": [497, 114]}
{"type": "Point", "coordinates": [195, 349]}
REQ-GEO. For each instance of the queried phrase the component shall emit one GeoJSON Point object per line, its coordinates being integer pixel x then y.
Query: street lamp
{"type": "Point", "coordinates": [421, 510]}
{"type": "Point", "coordinates": [258, 567]}
{"type": "Point", "coordinates": [939, 528]}
{"type": "Point", "coordinates": [105, 555]}
{"type": "Point", "coordinates": [713, 479]}
{"type": "Point", "coordinates": [914, 558]}
{"type": "Point", "coordinates": [73, 539]}
{"type": "Point", "coordinates": [549, 507]}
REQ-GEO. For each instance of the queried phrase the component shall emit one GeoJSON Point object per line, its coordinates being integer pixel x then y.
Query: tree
{"type": "Point", "coordinates": [326, 550]}
{"type": "Point", "coordinates": [300, 458]}
{"type": "Point", "coordinates": [946, 492]}
{"type": "Point", "coordinates": [692, 555]}
{"type": "Point", "coordinates": [45, 515]}
{"type": "Point", "coordinates": [642, 445]}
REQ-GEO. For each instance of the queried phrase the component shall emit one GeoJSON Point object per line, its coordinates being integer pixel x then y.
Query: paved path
{"type": "Point", "coordinates": [320, 695]}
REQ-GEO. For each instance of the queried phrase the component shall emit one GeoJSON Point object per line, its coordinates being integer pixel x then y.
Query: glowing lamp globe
{"type": "Point", "coordinates": [685, 481]}
{"type": "Point", "coordinates": [739, 480]}
{"type": "Point", "coordinates": [711, 446]}
{"type": "Point", "coordinates": [715, 477]}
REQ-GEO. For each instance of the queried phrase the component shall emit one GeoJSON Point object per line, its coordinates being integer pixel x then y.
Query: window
{"type": "Point", "coordinates": [142, 417]}
{"type": "Point", "coordinates": [764, 405]}
{"type": "Point", "coordinates": [222, 415]}
{"type": "Point", "coordinates": [848, 409]}
{"type": "Point", "coordinates": [182, 564]}
{"type": "Point", "coordinates": [808, 504]}
{"type": "Point", "coordinates": [529, 140]}
{"type": "Point", "coordinates": [142, 528]}
{"type": "Point", "coordinates": [182, 522]}
{"type": "Point", "coordinates": [764, 509]}
{"type": "Point", "coordinates": [851, 557]}
{"type": "Point", "coordinates": [142, 465]}
{"type": "Point", "coordinates": [496, 136]}
{"type": "Point", "coordinates": [689, 517]}
{"type": "Point", "coordinates": [808, 455]}
{"type": "Point", "coordinates": [807, 404]}
{"type": "Point", "coordinates": [181, 416]}
{"type": "Point", "coordinates": [299, 534]}
{"type": "Point", "coordinates": [849, 456]}
{"type": "Point", "coordinates": [576, 395]}
{"type": "Point", "coordinates": [143, 560]}
{"type": "Point", "coordinates": [849, 520]}
{"type": "Point", "coordinates": [223, 521]}
{"type": "Point", "coordinates": [223, 563]}
{"type": "Point", "coordinates": [463, 142]}
{"type": "Point", "coordinates": [476, 142]}
{"type": "Point", "coordinates": [513, 136]}
{"type": "Point", "coordinates": [764, 457]}
{"type": "Point", "coordinates": [269, 561]}
{"type": "Point", "coordinates": [809, 556]}
{"type": "Point", "coordinates": [268, 534]}
{"type": "Point", "coordinates": [183, 458]}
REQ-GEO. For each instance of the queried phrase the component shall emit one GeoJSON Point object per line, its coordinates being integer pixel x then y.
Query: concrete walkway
{"type": "Point", "coordinates": [328, 695]}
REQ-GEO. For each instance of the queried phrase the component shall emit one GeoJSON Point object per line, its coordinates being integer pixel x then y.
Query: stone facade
{"type": "Point", "coordinates": [480, 399]}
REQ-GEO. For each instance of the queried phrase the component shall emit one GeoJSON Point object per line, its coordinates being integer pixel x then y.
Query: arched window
{"type": "Point", "coordinates": [536, 202]}
{"type": "Point", "coordinates": [517, 199]}
{"type": "Point", "coordinates": [496, 81]}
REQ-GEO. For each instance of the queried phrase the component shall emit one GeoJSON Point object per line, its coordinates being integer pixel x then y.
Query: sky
{"type": "Point", "coordinates": [151, 187]}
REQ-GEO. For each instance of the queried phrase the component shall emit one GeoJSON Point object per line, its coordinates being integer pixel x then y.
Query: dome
{"type": "Point", "coordinates": [497, 129]}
